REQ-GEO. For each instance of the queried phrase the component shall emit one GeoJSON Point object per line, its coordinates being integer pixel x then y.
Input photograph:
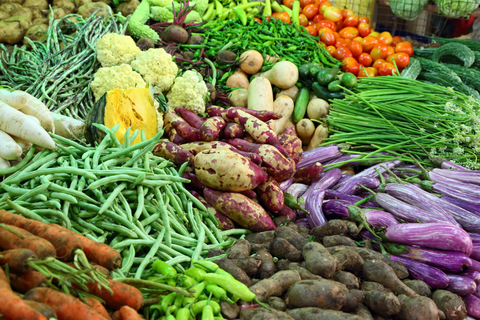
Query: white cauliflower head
{"type": "Point", "coordinates": [116, 77]}
{"type": "Point", "coordinates": [188, 91]}
{"type": "Point", "coordinates": [115, 49]}
{"type": "Point", "coordinates": [157, 68]}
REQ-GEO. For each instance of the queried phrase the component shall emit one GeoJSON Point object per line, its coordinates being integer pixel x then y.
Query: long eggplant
{"type": "Point", "coordinates": [419, 198]}
{"type": "Point", "coordinates": [320, 154]}
{"type": "Point", "coordinates": [286, 184]}
{"type": "Point", "coordinates": [344, 177]}
{"type": "Point", "coordinates": [354, 184]}
{"type": "Point", "coordinates": [442, 236]}
{"type": "Point", "coordinates": [463, 176]}
{"type": "Point", "coordinates": [477, 292]}
{"type": "Point", "coordinates": [380, 219]}
{"type": "Point", "coordinates": [475, 265]}
{"type": "Point", "coordinates": [303, 222]}
{"type": "Point", "coordinates": [467, 188]}
{"type": "Point", "coordinates": [472, 274]}
{"type": "Point", "coordinates": [469, 206]}
{"type": "Point", "coordinates": [473, 306]}
{"type": "Point", "coordinates": [468, 220]}
{"type": "Point", "coordinates": [461, 285]}
{"type": "Point", "coordinates": [405, 211]}
{"type": "Point", "coordinates": [452, 192]}
{"type": "Point", "coordinates": [476, 251]}
{"type": "Point", "coordinates": [336, 209]}
{"type": "Point", "coordinates": [314, 206]}
{"type": "Point", "coordinates": [449, 165]}
{"type": "Point", "coordinates": [343, 158]}
{"type": "Point", "coordinates": [297, 189]}
{"type": "Point", "coordinates": [475, 237]}
{"type": "Point", "coordinates": [334, 194]}
{"type": "Point", "coordinates": [448, 261]}
{"type": "Point", "coordinates": [433, 277]}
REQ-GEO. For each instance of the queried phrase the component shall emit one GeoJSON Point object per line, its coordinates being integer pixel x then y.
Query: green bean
{"type": "Point", "coordinates": [216, 257]}
{"type": "Point", "coordinates": [127, 261]}
{"type": "Point", "coordinates": [74, 171]}
{"type": "Point", "coordinates": [177, 260]}
{"type": "Point", "coordinates": [89, 226]}
{"type": "Point", "coordinates": [74, 193]}
{"type": "Point", "coordinates": [126, 206]}
{"type": "Point", "coordinates": [133, 148]}
{"type": "Point", "coordinates": [103, 237]}
{"type": "Point", "coordinates": [43, 158]}
{"type": "Point", "coordinates": [182, 249]}
{"type": "Point", "coordinates": [209, 233]}
{"type": "Point", "coordinates": [174, 201]}
{"type": "Point", "coordinates": [86, 214]}
{"type": "Point", "coordinates": [13, 191]}
{"type": "Point", "coordinates": [108, 180]}
{"type": "Point", "coordinates": [89, 236]}
{"type": "Point", "coordinates": [201, 240]}
{"type": "Point", "coordinates": [64, 197]}
{"type": "Point", "coordinates": [112, 197]}
{"type": "Point", "coordinates": [149, 220]}
{"type": "Point", "coordinates": [216, 231]}
{"type": "Point", "coordinates": [55, 213]}
{"type": "Point", "coordinates": [235, 231]}
{"type": "Point", "coordinates": [24, 211]}
{"type": "Point", "coordinates": [126, 138]}
{"type": "Point", "coordinates": [68, 142]}
{"type": "Point", "coordinates": [116, 240]}
{"type": "Point", "coordinates": [117, 228]}
{"type": "Point", "coordinates": [128, 242]}
{"type": "Point", "coordinates": [110, 132]}
{"type": "Point", "coordinates": [164, 215]}
{"type": "Point", "coordinates": [150, 254]}
{"type": "Point", "coordinates": [140, 154]}
{"type": "Point", "coordinates": [140, 203]}
{"type": "Point", "coordinates": [99, 149]}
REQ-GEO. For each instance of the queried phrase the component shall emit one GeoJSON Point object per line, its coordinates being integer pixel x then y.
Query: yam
{"type": "Point", "coordinates": [363, 312]}
{"type": "Point", "coordinates": [383, 303]}
{"type": "Point", "coordinates": [289, 140]}
{"type": "Point", "coordinates": [337, 240]}
{"type": "Point", "coordinates": [229, 310]}
{"type": "Point", "coordinates": [26, 12]}
{"type": "Point", "coordinates": [318, 260]}
{"type": "Point", "coordinates": [249, 265]}
{"type": "Point", "coordinates": [234, 270]}
{"type": "Point", "coordinates": [354, 297]}
{"type": "Point", "coordinates": [9, 7]}
{"type": "Point", "coordinates": [320, 314]}
{"type": "Point", "coordinates": [37, 14]}
{"type": "Point", "coordinates": [88, 9]}
{"type": "Point", "coordinates": [349, 260]}
{"type": "Point", "coordinates": [283, 249]}
{"type": "Point", "coordinates": [352, 228]}
{"type": "Point", "coordinates": [451, 304]}
{"type": "Point", "coordinates": [325, 294]}
{"type": "Point", "coordinates": [304, 273]}
{"type": "Point", "coordinates": [13, 29]}
{"type": "Point", "coordinates": [276, 285]}
{"type": "Point", "coordinates": [261, 237]}
{"type": "Point", "coordinates": [240, 249]}
{"type": "Point", "coordinates": [417, 308]}
{"type": "Point", "coordinates": [262, 313]}
{"type": "Point", "coordinates": [347, 278]}
{"type": "Point", "coordinates": [333, 227]}
{"type": "Point", "coordinates": [214, 252]}
{"type": "Point", "coordinates": [379, 271]}
{"type": "Point", "coordinates": [419, 287]}
{"type": "Point", "coordinates": [41, 4]}
{"type": "Point", "coordinates": [79, 3]}
{"type": "Point", "coordinates": [370, 285]}
{"type": "Point", "coordinates": [291, 236]}
{"type": "Point", "coordinates": [277, 303]}
{"type": "Point", "coordinates": [267, 266]}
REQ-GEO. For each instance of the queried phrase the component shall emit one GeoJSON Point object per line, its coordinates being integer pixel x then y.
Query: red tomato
{"type": "Point", "coordinates": [375, 34]}
{"type": "Point", "coordinates": [386, 38]}
{"type": "Point", "coordinates": [260, 21]}
{"type": "Point", "coordinates": [303, 20]}
{"type": "Point", "coordinates": [365, 59]}
{"type": "Point", "coordinates": [359, 39]}
{"type": "Point", "coordinates": [288, 3]}
{"type": "Point", "coordinates": [300, 10]}
{"type": "Point", "coordinates": [312, 31]}
{"type": "Point", "coordinates": [319, 1]}
{"type": "Point", "coordinates": [310, 10]}
{"type": "Point", "coordinates": [401, 59]}
{"type": "Point", "coordinates": [396, 40]}
{"type": "Point", "coordinates": [275, 15]}
{"type": "Point", "coordinates": [324, 5]}
{"type": "Point", "coordinates": [351, 21]}
{"type": "Point", "coordinates": [348, 33]}
{"type": "Point", "coordinates": [405, 47]}
{"type": "Point", "coordinates": [337, 36]}
{"type": "Point", "coordinates": [350, 65]}
{"type": "Point", "coordinates": [371, 72]}
{"type": "Point", "coordinates": [339, 24]}
{"type": "Point", "coordinates": [377, 64]}
{"type": "Point", "coordinates": [355, 47]}
{"type": "Point", "coordinates": [387, 69]}
{"type": "Point", "coordinates": [268, 18]}
{"type": "Point", "coordinates": [332, 13]}
{"type": "Point", "coordinates": [318, 18]}
{"type": "Point", "coordinates": [304, 3]}
{"type": "Point", "coordinates": [390, 50]}
{"type": "Point", "coordinates": [342, 53]}
{"type": "Point", "coordinates": [364, 29]}
{"type": "Point", "coordinates": [364, 19]}
{"type": "Point", "coordinates": [327, 24]}
{"type": "Point", "coordinates": [311, 23]}
{"type": "Point", "coordinates": [379, 51]}
{"type": "Point", "coordinates": [368, 43]}
{"type": "Point", "coordinates": [327, 36]}
{"type": "Point", "coordinates": [331, 50]}
{"type": "Point", "coordinates": [284, 16]}
{"type": "Point", "coordinates": [341, 43]}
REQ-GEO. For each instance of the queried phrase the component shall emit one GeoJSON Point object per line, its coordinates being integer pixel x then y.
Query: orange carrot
{"type": "Point", "coordinates": [101, 254]}
{"type": "Point", "coordinates": [27, 281]}
{"type": "Point", "coordinates": [96, 266]}
{"type": "Point", "coordinates": [17, 259]}
{"type": "Point", "coordinates": [126, 313]}
{"type": "Point", "coordinates": [65, 244]}
{"type": "Point", "coordinates": [12, 306]}
{"type": "Point", "coordinates": [45, 310]}
{"type": "Point", "coordinates": [66, 307]}
{"type": "Point", "coordinates": [98, 307]}
{"type": "Point", "coordinates": [9, 240]}
{"type": "Point", "coordinates": [123, 295]}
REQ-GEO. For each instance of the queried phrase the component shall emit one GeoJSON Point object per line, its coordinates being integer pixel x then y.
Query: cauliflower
{"type": "Point", "coordinates": [188, 91]}
{"type": "Point", "coordinates": [116, 49]}
{"type": "Point", "coordinates": [157, 68]}
{"type": "Point", "coordinates": [116, 77]}
{"type": "Point", "coordinates": [161, 14]}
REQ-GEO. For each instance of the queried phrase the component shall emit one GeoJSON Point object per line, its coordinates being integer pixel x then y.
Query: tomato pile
{"type": "Point", "coordinates": [350, 38]}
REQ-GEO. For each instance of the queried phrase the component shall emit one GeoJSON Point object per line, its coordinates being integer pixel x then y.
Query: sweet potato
{"type": "Point", "coordinates": [215, 252]}
{"type": "Point", "coordinates": [318, 260]}
{"type": "Point", "coordinates": [233, 130]}
{"type": "Point", "coordinates": [194, 183]}
{"type": "Point", "coordinates": [211, 128]}
{"type": "Point", "coordinates": [304, 273]}
{"type": "Point", "coordinates": [263, 314]}
{"type": "Point", "coordinates": [199, 146]}
{"type": "Point", "coordinates": [224, 223]}
{"type": "Point", "coordinates": [190, 117]}
{"type": "Point", "coordinates": [227, 171]}
{"type": "Point", "coordinates": [228, 265]}
{"type": "Point", "coordinates": [172, 152]}
{"type": "Point", "coordinates": [325, 294]}
{"type": "Point", "coordinates": [287, 212]}
{"type": "Point", "coordinates": [419, 287]}
{"type": "Point", "coordinates": [363, 312]}
{"type": "Point", "coordinates": [347, 278]}
{"type": "Point", "coordinates": [263, 115]}
{"type": "Point", "coordinates": [417, 308]}
{"type": "Point", "coordinates": [283, 249]}
{"type": "Point", "coordinates": [349, 260]}
{"type": "Point", "coordinates": [240, 249]}
{"type": "Point", "coordinates": [240, 209]}
{"type": "Point", "coordinates": [255, 158]}
{"type": "Point", "coordinates": [320, 314]}
{"type": "Point", "coordinates": [276, 285]}
{"type": "Point", "coordinates": [379, 271]}
{"type": "Point", "coordinates": [267, 267]}
{"type": "Point", "coordinates": [370, 285]}
{"type": "Point", "coordinates": [333, 227]}
{"type": "Point", "coordinates": [307, 175]}
{"type": "Point", "coordinates": [354, 297]}
{"type": "Point", "coordinates": [337, 240]}
{"type": "Point", "coordinates": [291, 236]}
{"type": "Point", "coordinates": [451, 304]}
{"type": "Point", "coordinates": [186, 131]}
{"type": "Point", "coordinates": [170, 117]}
{"type": "Point", "coordinates": [271, 195]}
{"type": "Point", "coordinates": [277, 303]}
{"type": "Point", "coordinates": [289, 140]}
{"type": "Point", "coordinates": [174, 137]}
{"type": "Point", "coordinates": [383, 303]}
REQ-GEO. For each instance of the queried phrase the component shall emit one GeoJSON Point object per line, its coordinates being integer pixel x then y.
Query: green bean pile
{"type": "Point", "coordinates": [121, 195]}
{"type": "Point", "coordinates": [59, 71]}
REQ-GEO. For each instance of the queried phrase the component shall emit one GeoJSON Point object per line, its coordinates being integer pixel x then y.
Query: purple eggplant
{"type": "Point", "coordinates": [475, 265]}
{"type": "Point", "coordinates": [372, 171]}
{"type": "Point", "coordinates": [441, 236]}
{"type": "Point", "coordinates": [297, 189]}
{"type": "Point", "coordinates": [343, 158]}
{"type": "Point", "coordinates": [336, 209]}
{"type": "Point", "coordinates": [476, 251]}
{"type": "Point", "coordinates": [475, 237]}
{"type": "Point", "coordinates": [451, 191]}
{"type": "Point", "coordinates": [468, 220]}
{"type": "Point", "coordinates": [286, 184]}
{"type": "Point", "coordinates": [327, 179]}
{"type": "Point", "coordinates": [472, 274]}
{"type": "Point", "coordinates": [473, 306]}
{"type": "Point", "coordinates": [463, 176]}
{"type": "Point", "coordinates": [334, 194]}
{"type": "Point", "coordinates": [320, 154]}
{"type": "Point", "coordinates": [380, 219]}
{"type": "Point", "coordinates": [477, 292]}
{"type": "Point", "coordinates": [448, 261]}
{"type": "Point", "coordinates": [461, 285]}
{"type": "Point", "coordinates": [303, 222]}
{"type": "Point", "coordinates": [354, 184]}
{"type": "Point", "coordinates": [467, 188]}
{"type": "Point", "coordinates": [313, 205]}
{"type": "Point", "coordinates": [367, 235]}
{"type": "Point", "coordinates": [469, 206]}
{"type": "Point", "coordinates": [449, 165]}
{"type": "Point", "coordinates": [344, 177]}
{"type": "Point", "coordinates": [419, 198]}
{"type": "Point", "coordinates": [433, 277]}
{"type": "Point", "coordinates": [405, 211]}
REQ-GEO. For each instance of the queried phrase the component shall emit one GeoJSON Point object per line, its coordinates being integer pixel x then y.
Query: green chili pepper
{"type": "Point", "coordinates": [199, 306]}
{"type": "Point", "coordinates": [210, 13]}
{"type": "Point", "coordinates": [233, 286]}
{"type": "Point", "coordinates": [218, 292]}
{"type": "Point", "coordinates": [207, 313]}
{"type": "Point", "coordinates": [276, 7]}
{"type": "Point", "coordinates": [169, 316]}
{"type": "Point", "coordinates": [186, 281]}
{"type": "Point", "coordinates": [242, 15]}
{"type": "Point", "coordinates": [267, 10]}
{"type": "Point", "coordinates": [198, 289]}
{"type": "Point", "coordinates": [168, 300]}
{"type": "Point", "coordinates": [288, 10]}
{"type": "Point", "coordinates": [183, 314]}
{"type": "Point", "coordinates": [196, 273]}
{"type": "Point", "coordinates": [206, 265]}
{"type": "Point", "coordinates": [197, 53]}
{"type": "Point", "coordinates": [163, 268]}
{"type": "Point", "coordinates": [178, 301]}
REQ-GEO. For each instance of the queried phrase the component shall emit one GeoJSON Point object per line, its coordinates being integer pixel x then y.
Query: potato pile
{"type": "Point", "coordinates": [322, 274]}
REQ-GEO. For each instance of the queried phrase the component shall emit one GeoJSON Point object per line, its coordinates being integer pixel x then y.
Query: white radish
{"type": "Point", "coordinates": [33, 119]}
{"type": "Point", "coordinates": [4, 164]}
{"type": "Point", "coordinates": [9, 149]}
{"type": "Point", "coordinates": [30, 105]}
{"type": "Point", "coordinates": [18, 124]}
{"type": "Point", "coordinates": [68, 127]}
{"type": "Point", "coordinates": [24, 144]}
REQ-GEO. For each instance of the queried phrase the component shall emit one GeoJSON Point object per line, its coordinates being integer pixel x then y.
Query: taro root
{"type": "Point", "coordinates": [175, 33]}
{"type": "Point", "coordinates": [195, 40]}
{"type": "Point", "coordinates": [226, 57]}
{"type": "Point", "coordinates": [145, 43]}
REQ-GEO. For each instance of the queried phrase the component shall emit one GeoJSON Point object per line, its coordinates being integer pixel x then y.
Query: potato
{"type": "Point", "coordinates": [317, 109]}
{"type": "Point", "coordinates": [20, 2]}
{"type": "Point", "coordinates": [39, 21]}
{"type": "Point", "coordinates": [67, 5]}
{"type": "Point", "coordinates": [26, 12]}
{"type": "Point", "coordinates": [9, 7]}
{"type": "Point", "coordinates": [4, 15]}
{"type": "Point", "coordinates": [305, 130]}
{"type": "Point", "coordinates": [239, 98]}
{"type": "Point", "coordinates": [89, 8]}
{"type": "Point", "coordinates": [36, 13]}
{"type": "Point", "coordinates": [104, 1]}
{"type": "Point", "coordinates": [325, 294]}
{"type": "Point", "coordinates": [126, 8]}
{"type": "Point", "coordinates": [41, 4]}
{"type": "Point", "coordinates": [58, 13]}
{"type": "Point", "coordinates": [36, 33]}
{"type": "Point", "coordinates": [13, 29]}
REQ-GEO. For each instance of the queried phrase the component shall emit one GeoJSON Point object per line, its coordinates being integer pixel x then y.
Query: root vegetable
{"type": "Point", "coordinates": [363, 312]}
{"type": "Point", "coordinates": [333, 227]}
{"type": "Point", "coordinates": [419, 287]}
{"type": "Point", "coordinates": [88, 9]}
{"type": "Point", "coordinates": [249, 265]}
{"type": "Point", "coordinates": [229, 310]}
{"type": "Point", "coordinates": [172, 152]}
{"type": "Point", "coordinates": [338, 240]}
{"type": "Point", "coordinates": [98, 307]}
{"type": "Point", "coordinates": [8, 240]}
{"type": "Point", "coordinates": [318, 260]}
{"type": "Point", "coordinates": [211, 128]}
{"type": "Point", "coordinates": [349, 260]}
{"type": "Point", "coordinates": [17, 259]}
{"type": "Point", "coordinates": [190, 117]}
{"type": "Point", "coordinates": [186, 131]}
{"type": "Point", "coordinates": [175, 33]}
{"type": "Point", "coordinates": [240, 249]}
{"type": "Point", "coordinates": [277, 303]}
{"type": "Point", "coordinates": [123, 295]}
{"type": "Point", "coordinates": [383, 303]}
{"type": "Point", "coordinates": [66, 4]}
{"type": "Point", "coordinates": [305, 130]}
{"type": "Point", "coordinates": [125, 8]}
{"type": "Point", "coordinates": [286, 211]}
{"type": "Point", "coordinates": [13, 29]}
{"type": "Point", "coordinates": [289, 140]}
{"type": "Point", "coordinates": [10, 7]}
{"type": "Point", "coordinates": [43, 309]}
{"type": "Point", "coordinates": [228, 265]}
{"type": "Point", "coordinates": [370, 285]}
{"type": "Point", "coordinates": [261, 237]}
{"type": "Point", "coordinates": [276, 285]}
{"type": "Point", "coordinates": [233, 130]}
{"type": "Point", "coordinates": [307, 175]}
{"type": "Point", "coordinates": [354, 297]}
{"type": "Point", "coordinates": [41, 4]}
{"type": "Point", "coordinates": [417, 308]}
{"type": "Point", "coordinates": [126, 313]}
{"type": "Point", "coordinates": [4, 15]}
{"type": "Point", "coordinates": [9, 149]}
{"type": "Point", "coordinates": [283, 249]}
{"type": "Point", "coordinates": [271, 195]}
{"type": "Point", "coordinates": [199, 146]}
{"type": "Point", "coordinates": [26, 12]}
{"type": "Point", "coordinates": [379, 271]}
{"type": "Point", "coordinates": [239, 97]}
{"type": "Point", "coordinates": [347, 278]}
{"type": "Point", "coordinates": [226, 57]}
{"type": "Point", "coordinates": [304, 273]}
{"type": "Point", "coordinates": [451, 304]}
{"type": "Point", "coordinates": [238, 79]}
{"type": "Point", "coordinates": [267, 266]}
{"type": "Point", "coordinates": [368, 254]}
{"type": "Point", "coordinates": [260, 95]}
{"type": "Point", "coordinates": [252, 61]}
{"type": "Point", "coordinates": [325, 294]}
{"type": "Point", "coordinates": [320, 133]}
{"type": "Point", "coordinates": [224, 223]}
{"type": "Point", "coordinates": [283, 105]}
{"type": "Point", "coordinates": [318, 109]}
{"type": "Point", "coordinates": [321, 314]}
{"type": "Point", "coordinates": [352, 228]}
{"type": "Point", "coordinates": [292, 237]}
{"type": "Point", "coordinates": [292, 92]}
{"type": "Point", "coordinates": [27, 281]}
{"type": "Point", "coordinates": [68, 127]}
{"type": "Point", "coordinates": [284, 74]}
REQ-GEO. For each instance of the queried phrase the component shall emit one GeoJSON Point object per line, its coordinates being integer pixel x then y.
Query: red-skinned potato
{"type": "Point", "coordinates": [211, 128]}
{"type": "Point", "coordinates": [241, 209]}
{"type": "Point", "coordinates": [173, 152]}
{"type": "Point", "coordinates": [271, 195]}
{"type": "Point", "coordinates": [227, 171]}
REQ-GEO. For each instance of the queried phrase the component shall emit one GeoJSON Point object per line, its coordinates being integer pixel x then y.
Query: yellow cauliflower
{"type": "Point", "coordinates": [116, 77]}
{"type": "Point", "coordinates": [115, 49]}
{"type": "Point", "coordinates": [188, 91]}
{"type": "Point", "coordinates": [157, 68]}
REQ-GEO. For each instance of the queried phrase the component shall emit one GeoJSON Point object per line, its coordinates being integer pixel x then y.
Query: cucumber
{"type": "Point", "coordinates": [304, 70]}
{"type": "Point", "coordinates": [300, 105]}
{"type": "Point", "coordinates": [324, 94]}
{"type": "Point", "coordinates": [314, 70]}
{"type": "Point", "coordinates": [334, 86]}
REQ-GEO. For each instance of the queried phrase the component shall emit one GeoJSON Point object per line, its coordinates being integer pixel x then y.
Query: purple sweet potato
{"type": "Point", "coordinates": [190, 117]}
{"type": "Point", "coordinates": [286, 211]}
{"type": "Point", "coordinates": [308, 174]}
{"type": "Point", "coordinates": [290, 141]}
{"type": "Point", "coordinates": [186, 131]}
{"type": "Point", "coordinates": [227, 171]}
{"type": "Point", "coordinates": [271, 195]}
{"type": "Point", "coordinates": [172, 152]}
{"type": "Point", "coordinates": [241, 209]}
{"type": "Point", "coordinates": [199, 146]}
{"type": "Point", "coordinates": [216, 111]}
{"type": "Point", "coordinates": [224, 223]}
{"type": "Point", "coordinates": [233, 130]}
{"type": "Point", "coordinates": [322, 293]}
{"type": "Point", "coordinates": [194, 183]}
{"type": "Point", "coordinates": [259, 130]}
{"type": "Point", "coordinates": [211, 128]}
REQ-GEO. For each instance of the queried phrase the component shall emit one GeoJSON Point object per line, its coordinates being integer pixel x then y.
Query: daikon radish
{"type": "Point", "coordinates": [283, 105]}
{"type": "Point", "coordinates": [34, 119]}
{"type": "Point", "coordinates": [30, 105]}
{"type": "Point", "coordinates": [9, 149]}
{"type": "Point", "coordinates": [16, 123]}
{"type": "Point", "coordinates": [68, 127]}
{"type": "Point", "coordinates": [4, 164]}
{"type": "Point", "coordinates": [260, 95]}
{"type": "Point", "coordinates": [24, 144]}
